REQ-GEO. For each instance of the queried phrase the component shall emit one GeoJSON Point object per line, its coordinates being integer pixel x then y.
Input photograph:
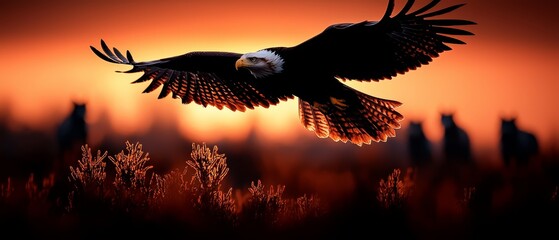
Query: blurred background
{"type": "Point", "coordinates": [506, 70]}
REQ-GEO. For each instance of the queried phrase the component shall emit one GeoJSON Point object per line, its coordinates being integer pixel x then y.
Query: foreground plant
{"type": "Point", "coordinates": [265, 206]}
{"type": "Point", "coordinates": [88, 180]}
{"type": "Point", "coordinates": [468, 193]}
{"type": "Point", "coordinates": [210, 170]}
{"type": "Point", "coordinates": [395, 190]}
{"type": "Point", "coordinates": [131, 167]}
{"type": "Point", "coordinates": [198, 195]}
{"type": "Point", "coordinates": [169, 187]}
{"type": "Point", "coordinates": [6, 189]}
{"type": "Point", "coordinates": [130, 185]}
{"type": "Point", "coordinates": [90, 172]}
{"type": "Point", "coordinates": [308, 207]}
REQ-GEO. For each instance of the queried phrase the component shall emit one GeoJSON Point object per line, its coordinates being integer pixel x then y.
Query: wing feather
{"type": "Point", "coordinates": [372, 51]}
{"type": "Point", "coordinates": [206, 78]}
{"type": "Point", "coordinates": [156, 81]}
{"type": "Point", "coordinates": [165, 90]}
{"type": "Point", "coordinates": [101, 55]}
{"type": "Point", "coordinates": [405, 9]}
{"type": "Point", "coordinates": [129, 57]}
{"type": "Point", "coordinates": [108, 52]}
{"type": "Point", "coordinates": [120, 56]}
{"type": "Point", "coordinates": [148, 75]}
{"type": "Point", "coordinates": [426, 7]}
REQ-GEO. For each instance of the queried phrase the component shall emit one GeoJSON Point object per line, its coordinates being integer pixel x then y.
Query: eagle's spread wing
{"type": "Point", "coordinates": [207, 78]}
{"type": "Point", "coordinates": [380, 50]}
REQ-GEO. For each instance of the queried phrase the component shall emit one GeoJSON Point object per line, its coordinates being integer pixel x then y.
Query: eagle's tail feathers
{"type": "Point", "coordinates": [358, 118]}
{"type": "Point", "coordinates": [313, 119]}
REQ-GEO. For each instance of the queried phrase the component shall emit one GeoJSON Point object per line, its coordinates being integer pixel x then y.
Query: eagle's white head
{"type": "Point", "coordinates": [261, 64]}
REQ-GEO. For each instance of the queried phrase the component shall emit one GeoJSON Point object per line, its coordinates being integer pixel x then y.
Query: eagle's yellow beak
{"type": "Point", "coordinates": [240, 63]}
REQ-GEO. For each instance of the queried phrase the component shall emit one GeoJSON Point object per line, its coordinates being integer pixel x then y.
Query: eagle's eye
{"type": "Point", "coordinates": [253, 59]}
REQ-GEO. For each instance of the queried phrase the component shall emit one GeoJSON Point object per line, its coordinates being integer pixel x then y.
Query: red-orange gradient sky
{"type": "Point", "coordinates": [507, 68]}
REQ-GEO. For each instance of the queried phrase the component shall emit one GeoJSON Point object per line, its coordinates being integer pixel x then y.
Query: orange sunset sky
{"type": "Point", "coordinates": [507, 68]}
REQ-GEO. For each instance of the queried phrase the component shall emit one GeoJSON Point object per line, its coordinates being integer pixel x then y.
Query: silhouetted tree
{"type": "Point", "coordinates": [516, 144]}
{"type": "Point", "coordinates": [456, 142]}
{"type": "Point", "coordinates": [419, 147]}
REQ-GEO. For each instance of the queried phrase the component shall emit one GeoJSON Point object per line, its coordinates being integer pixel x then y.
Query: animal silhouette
{"type": "Point", "coordinates": [71, 135]}
{"type": "Point", "coordinates": [419, 147]}
{"type": "Point", "coordinates": [516, 144]}
{"type": "Point", "coordinates": [456, 142]}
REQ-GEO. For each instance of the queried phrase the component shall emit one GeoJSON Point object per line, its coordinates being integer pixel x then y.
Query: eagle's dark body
{"type": "Point", "coordinates": [312, 71]}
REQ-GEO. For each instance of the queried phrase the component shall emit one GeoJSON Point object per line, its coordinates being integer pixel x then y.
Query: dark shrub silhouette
{"type": "Point", "coordinates": [516, 144]}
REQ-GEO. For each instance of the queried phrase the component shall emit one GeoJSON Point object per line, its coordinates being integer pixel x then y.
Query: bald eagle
{"type": "Point", "coordinates": [313, 71]}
